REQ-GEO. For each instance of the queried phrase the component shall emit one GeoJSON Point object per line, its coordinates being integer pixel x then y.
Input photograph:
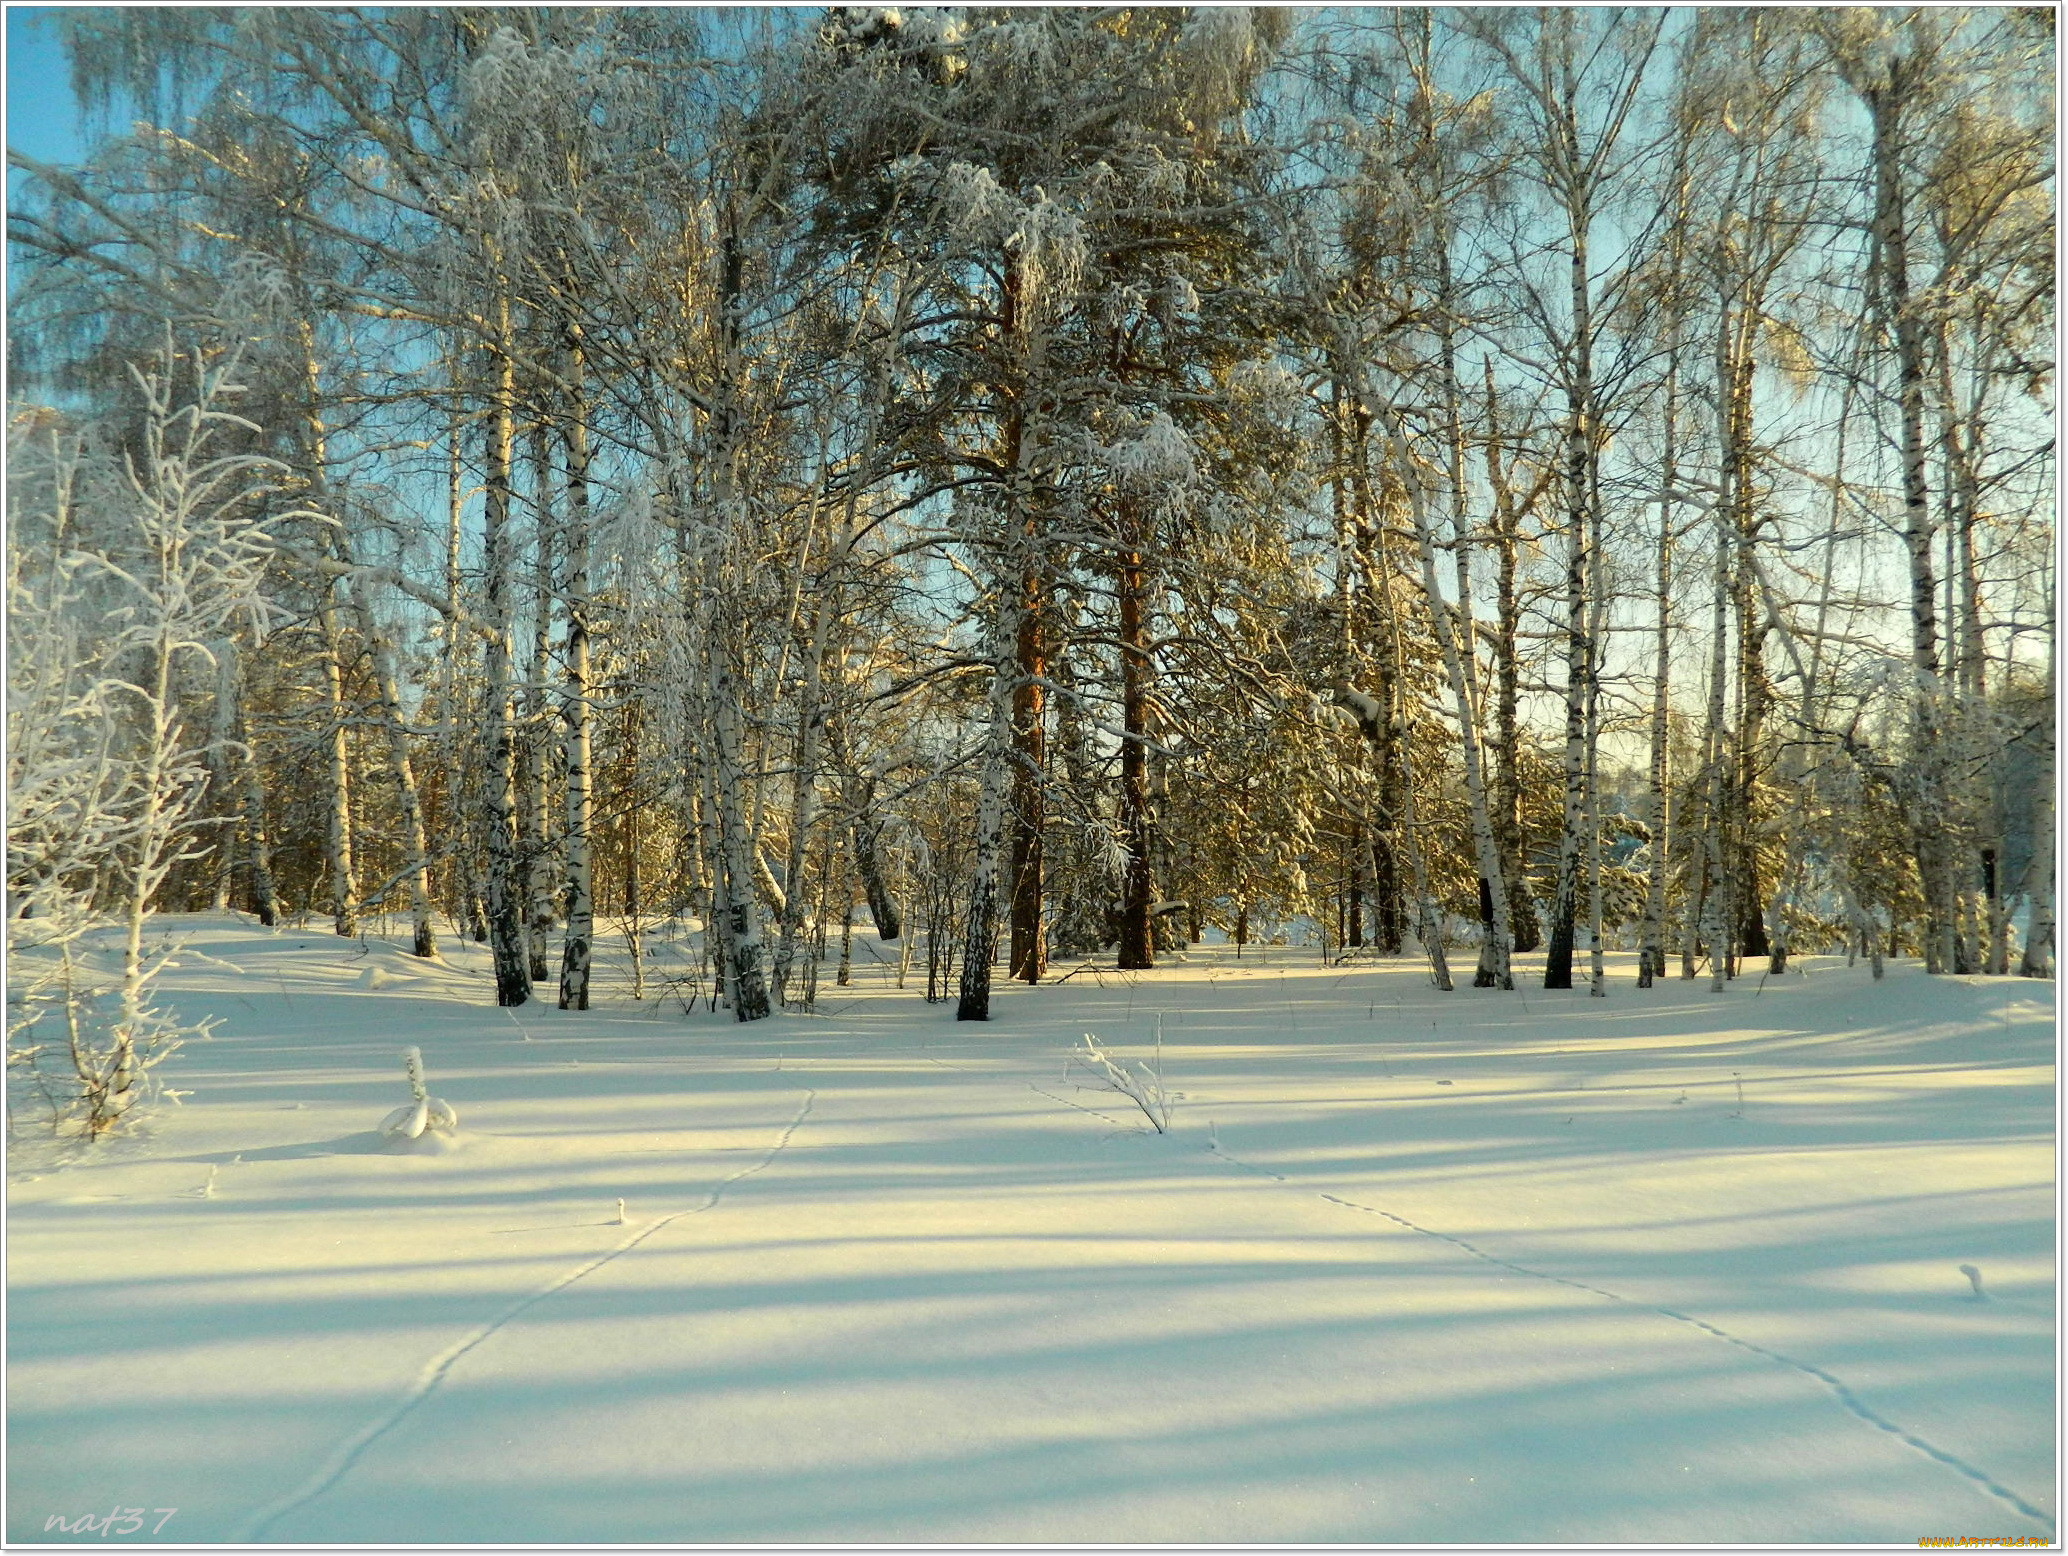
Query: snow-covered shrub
{"type": "Point", "coordinates": [1138, 1082]}
{"type": "Point", "coordinates": [423, 1111]}
{"type": "Point", "coordinates": [122, 570]}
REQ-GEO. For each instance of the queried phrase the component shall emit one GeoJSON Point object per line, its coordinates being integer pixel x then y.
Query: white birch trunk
{"type": "Point", "coordinates": [538, 736]}
{"type": "Point", "coordinates": [466, 885]}
{"type": "Point", "coordinates": [1715, 914]}
{"type": "Point", "coordinates": [499, 799]}
{"type": "Point", "coordinates": [576, 948]}
{"type": "Point", "coordinates": [1597, 622]}
{"type": "Point", "coordinates": [221, 764]}
{"type": "Point", "coordinates": [1494, 960]}
{"type": "Point", "coordinates": [980, 922]}
{"type": "Point", "coordinates": [338, 835]}
{"type": "Point", "coordinates": [258, 862]}
{"type": "Point", "coordinates": [748, 981]}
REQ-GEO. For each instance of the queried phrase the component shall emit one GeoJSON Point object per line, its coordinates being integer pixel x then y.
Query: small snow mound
{"type": "Point", "coordinates": [408, 1121]}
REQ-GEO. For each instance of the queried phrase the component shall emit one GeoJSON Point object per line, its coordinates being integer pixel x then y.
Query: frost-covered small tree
{"type": "Point", "coordinates": [125, 567]}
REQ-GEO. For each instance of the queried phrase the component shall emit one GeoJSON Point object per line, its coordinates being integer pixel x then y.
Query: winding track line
{"type": "Point", "coordinates": [1845, 1395]}
{"type": "Point", "coordinates": [436, 1369]}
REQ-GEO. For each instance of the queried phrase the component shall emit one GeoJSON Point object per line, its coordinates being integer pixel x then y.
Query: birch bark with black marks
{"type": "Point", "coordinates": [469, 895]}
{"type": "Point", "coordinates": [337, 853]}
{"type": "Point", "coordinates": [1886, 90]}
{"type": "Point", "coordinates": [1494, 970]}
{"type": "Point", "coordinates": [1428, 912]}
{"type": "Point", "coordinates": [746, 975]}
{"type": "Point", "coordinates": [1651, 956]}
{"type": "Point", "coordinates": [505, 888]}
{"type": "Point", "coordinates": [1711, 904]}
{"type": "Point", "coordinates": [576, 947]}
{"type": "Point", "coordinates": [1506, 525]}
{"type": "Point", "coordinates": [980, 920]}
{"type": "Point", "coordinates": [536, 832]}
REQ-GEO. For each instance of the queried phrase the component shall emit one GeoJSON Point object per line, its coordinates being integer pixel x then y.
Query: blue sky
{"type": "Point", "coordinates": [42, 120]}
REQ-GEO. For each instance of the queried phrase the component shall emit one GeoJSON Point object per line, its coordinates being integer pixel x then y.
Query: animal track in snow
{"type": "Point", "coordinates": [1845, 1395]}
{"type": "Point", "coordinates": [434, 1371]}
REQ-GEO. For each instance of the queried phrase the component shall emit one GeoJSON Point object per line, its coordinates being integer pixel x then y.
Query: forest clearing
{"type": "Point", "coordinates": [1407, 1267]}
{"type": "Point", "coordinates": [1031, 773]}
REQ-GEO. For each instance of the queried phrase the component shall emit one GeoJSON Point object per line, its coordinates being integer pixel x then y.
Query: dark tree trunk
{"type": "Point", "coordinates": [1027, 957]}
{"type": "Point", "coordinates": [1353, 915]}
{"type": "Point", "coordinates": [883, 908]}
{"type": "Point", "coordinates": [1137, 944]}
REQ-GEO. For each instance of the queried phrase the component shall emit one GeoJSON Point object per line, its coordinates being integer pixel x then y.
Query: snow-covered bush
{"type": "Point", "coordinates": [122, 570]}
{"type": "Point", "coordinates": [423, 1111]}
{"type": "Point", "coordinates": [1140, 1084]}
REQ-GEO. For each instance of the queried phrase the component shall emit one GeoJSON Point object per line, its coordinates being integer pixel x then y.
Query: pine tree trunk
{"type": "Point", "coordinates": [1137, 947]}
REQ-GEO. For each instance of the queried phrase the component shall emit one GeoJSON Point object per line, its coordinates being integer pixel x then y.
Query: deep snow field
{"type": "Point", "coordinates": [1668, 1267]}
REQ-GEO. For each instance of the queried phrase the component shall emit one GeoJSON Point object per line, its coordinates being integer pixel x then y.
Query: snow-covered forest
{"type": "Point", "coordinates": [1053, 480]}
{"type": "Point", "coordinates": [1272, 537]}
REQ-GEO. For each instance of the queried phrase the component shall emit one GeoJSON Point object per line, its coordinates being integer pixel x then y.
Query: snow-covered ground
{"type": "Point", "coordinates": [1410, 1267]}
